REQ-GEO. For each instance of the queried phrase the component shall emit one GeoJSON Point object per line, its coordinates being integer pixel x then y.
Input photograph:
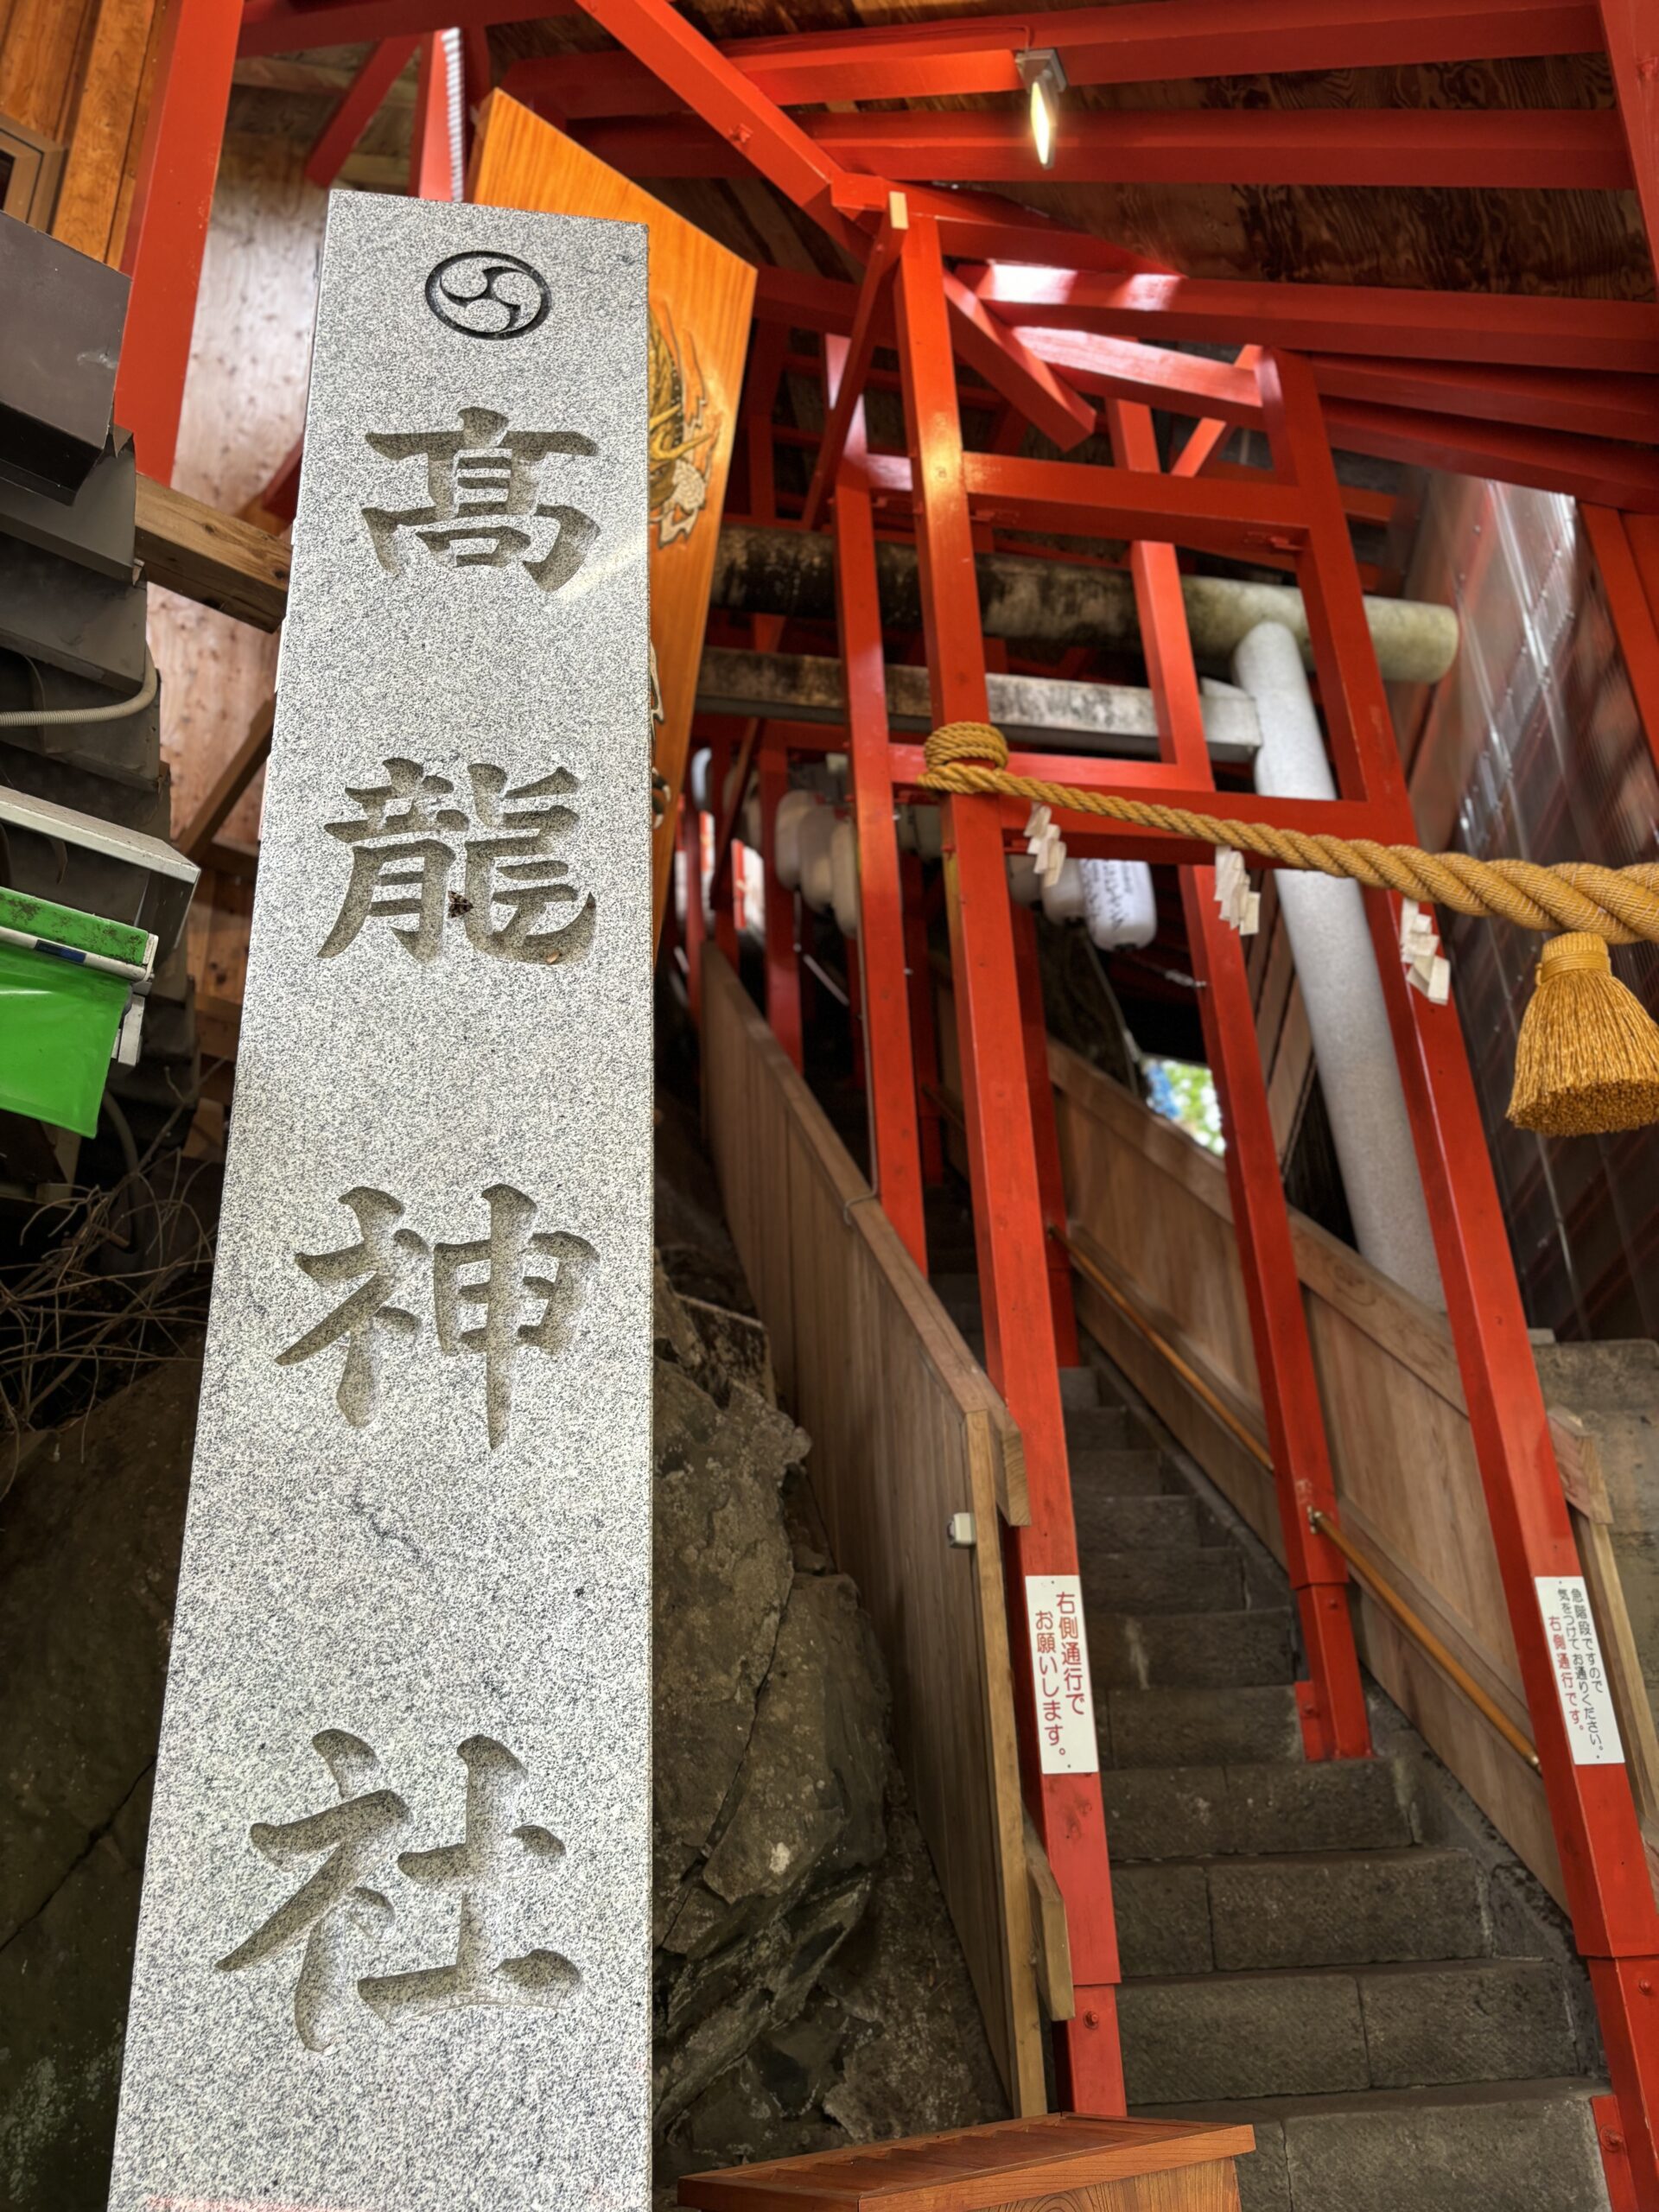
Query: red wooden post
{"type": "Point", "coordinates": [1051, 1181]}
{"type": "Point", "coordinates": [924, 1034]}
{"type": "Point", "coordinates": [1007, 1207]}
{"type": "Point", "coordinates": [1609, 1889]}
{"type": "Point", "coordinates": [167, 231]}
{"type": "Point", "coordinates": [895, 1148]}
{"type": "Point", "coordinates": [783, 968]}
{"type": "Point", "coordinates": [1624, 546]}
{"type": "Point", "coordinates": [1334, 1723]}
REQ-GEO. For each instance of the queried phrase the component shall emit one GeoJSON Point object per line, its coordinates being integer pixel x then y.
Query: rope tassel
{"type": "Point", "coordinates": [1587, 1061]}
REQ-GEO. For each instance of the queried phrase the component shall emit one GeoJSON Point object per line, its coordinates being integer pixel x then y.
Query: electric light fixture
{"type": "Point", "coordinates": [1043, 75]}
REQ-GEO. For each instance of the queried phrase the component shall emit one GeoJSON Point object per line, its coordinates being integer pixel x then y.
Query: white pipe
{"type": "Point", "coordinates": [1347, 1019]}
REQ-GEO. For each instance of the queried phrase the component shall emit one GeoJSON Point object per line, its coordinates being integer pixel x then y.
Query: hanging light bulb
{"type": "Point", "coordinates": [1043, 75]}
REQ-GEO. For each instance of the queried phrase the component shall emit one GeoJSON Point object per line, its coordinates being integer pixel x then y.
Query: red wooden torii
{"type": "Point", "coordinates": [1561, 394]}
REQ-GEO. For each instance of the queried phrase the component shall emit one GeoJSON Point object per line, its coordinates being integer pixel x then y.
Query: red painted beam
{"type": "Point", "coordinates": [357, 108]}
{"type": "Point", "coordinates": [1142, 44]}
{"type": "Point", "coordinates": [874, 295]}
{"type": "Point", "coordinates": [1625, 586]}
{"type": "Point", "coordinates": [1595, 469]}
{"type": "Point", "coordinates": [983, 227]}
{"type": "Point", "coordinates": [286, 26]}
{"type": "Point", "coordinates": [807, 175]}
{"type": "Point", "coordinates": [1502, 327]}
{"type": "Point", "coordinates": [1076, 499]}
{"type": "Point", "coordinates": [1605, 406]}
{"type": "Point", "coordinates": [1573, 149]}
{"type": "Point", "coordinates": [727, 104]}
{"type": "Point", "coordinates": [1123, 368]}
{"type": "Point", "coordinates": [1632, 39]}
{"type": "Point", "coordinates": [167, 231]}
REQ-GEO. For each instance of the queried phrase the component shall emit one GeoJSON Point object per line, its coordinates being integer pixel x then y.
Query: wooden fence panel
{"type": "Point", "coordinates": [906, 1431]}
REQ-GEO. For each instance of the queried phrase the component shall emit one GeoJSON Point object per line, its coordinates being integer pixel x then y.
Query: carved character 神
{"type": "Point", "coordinates": [382, 1258]}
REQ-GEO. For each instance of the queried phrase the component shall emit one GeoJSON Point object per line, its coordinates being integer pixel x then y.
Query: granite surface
{"type": "Point", "coordinates": [394, 1952]}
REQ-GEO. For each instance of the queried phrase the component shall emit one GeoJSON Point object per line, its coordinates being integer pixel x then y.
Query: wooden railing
{"type": "Point", "coordinates": [1151, 1229]}
{"type": "Point", "coordinates": [907, 1433]}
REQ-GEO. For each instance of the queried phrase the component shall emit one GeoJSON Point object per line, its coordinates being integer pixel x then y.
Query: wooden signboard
{"type": "Point", "coordinates": [701, 298]}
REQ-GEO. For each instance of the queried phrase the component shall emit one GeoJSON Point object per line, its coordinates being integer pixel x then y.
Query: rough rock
{"type": "Point", "coordinates": [721, 1564]}
{"type": "Point", "coordinates": [89, 1552]}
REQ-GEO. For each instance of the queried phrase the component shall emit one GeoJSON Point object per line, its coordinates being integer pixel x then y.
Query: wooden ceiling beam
{"type": "Point", "coordinates": [1566, 150]}
{"type": "Point", "coordinates": [1139, 44]}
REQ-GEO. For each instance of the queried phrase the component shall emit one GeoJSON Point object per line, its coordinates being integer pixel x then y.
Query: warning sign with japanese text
{"type": "Point", "coordinates": [1581, 1678]}
{"type": "Point", "coordinates": [1060, 1675]}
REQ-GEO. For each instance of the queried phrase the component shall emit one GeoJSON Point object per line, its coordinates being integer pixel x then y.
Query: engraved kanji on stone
{"type": "Point", "coordinates": [400, 866]}
{"type": "Point", "coordinates": [482, 504]}
{"type": "Point", "coordinates": [512, 865]}
{"type": "Point", "coordinates": [335, 1909]}
{"type": "Point", "coordinates": [505, 1256]}
{"type": "Point", "coordinates": [406, 843]}
{"type": "Point", "coordinates": [477, 1873]}
{"type": "Point", "coordinates": [382, 1258]}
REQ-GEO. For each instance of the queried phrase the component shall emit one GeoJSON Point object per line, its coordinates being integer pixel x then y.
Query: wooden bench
{"type": "Point", "coordinates": [1067, 2162]}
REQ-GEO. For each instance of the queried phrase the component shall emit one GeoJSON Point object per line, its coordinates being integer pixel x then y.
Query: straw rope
{"type": "Point", "coordinates": [1618, 904]}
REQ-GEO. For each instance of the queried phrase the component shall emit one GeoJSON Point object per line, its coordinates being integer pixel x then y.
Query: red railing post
{"type": "Point", "coordinates": [895, 1147]}
{"type": "Point", "coordinates": [167, 231]}
{"type": "Point", "coordinates": [1008, 1205]}
{"type": "Point", "coordinates": [1050, 1180]}
{"type": "Point", "coordinates": [1608, 1889]}
{"type": "Point", "coordinates": [923, 1030]}
{"type": "Point", "coordinates": [1332, 1700]}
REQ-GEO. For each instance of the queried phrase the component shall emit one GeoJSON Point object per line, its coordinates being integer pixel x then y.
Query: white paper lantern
{"type": "Point", "coordinates": [1025, 885]}
{"type": "Point", "coordinates": [1063, 899]}
{"type": "Point", "coordinates": [1119, 903]}
{"type": "Point", "coordinates": [792, 810]}
{"type": "Point", "coordinates": [818, 884]}
{"type": "Point", "coordinates": [843, 877]}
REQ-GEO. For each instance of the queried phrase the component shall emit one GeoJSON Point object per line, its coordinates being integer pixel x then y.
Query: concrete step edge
{"type": "Point", "coordinates": [1415, 1853]}
{"type": "Point", "coordinates": [1447, 2095]}
{"type": "Point", "coordinates": [1421, 1968]}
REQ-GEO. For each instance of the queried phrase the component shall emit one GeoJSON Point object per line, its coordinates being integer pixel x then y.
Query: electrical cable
{"type": "Point", "coordinates": [57, 717]}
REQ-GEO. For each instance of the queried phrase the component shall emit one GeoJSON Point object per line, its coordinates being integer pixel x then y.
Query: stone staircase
{"type": "Point", "coordinates": [1300, 1946]}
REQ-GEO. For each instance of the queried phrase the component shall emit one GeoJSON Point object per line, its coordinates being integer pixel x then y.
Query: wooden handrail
{"type": "Point", "coordinates": [1160, 1344]}
{"type": "Point", "coordinates": [1380, 1588]}
{"type": "Point", "coordinates": [1421, 1634]}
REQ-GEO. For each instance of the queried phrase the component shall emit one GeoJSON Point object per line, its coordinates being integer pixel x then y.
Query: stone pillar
{"type": "Point", "coordinates": [1347, 1019]}
{"type": "Point", "coordinates": [395, 1944]}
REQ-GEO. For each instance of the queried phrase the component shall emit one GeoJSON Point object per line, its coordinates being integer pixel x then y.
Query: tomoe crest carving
{"type": "Point", "coordinates": [488, 295]}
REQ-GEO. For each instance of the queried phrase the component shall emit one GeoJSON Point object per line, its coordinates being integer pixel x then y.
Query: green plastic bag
{"type": "Point", "coordinates": [58, 1022]}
